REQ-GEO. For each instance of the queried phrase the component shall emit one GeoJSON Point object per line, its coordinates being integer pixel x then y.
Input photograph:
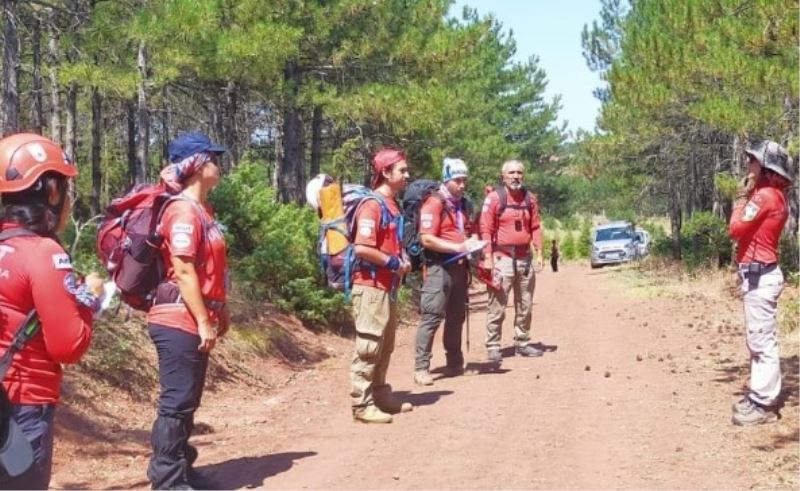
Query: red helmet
{"type": "Point", "coordinates": [24, 157]}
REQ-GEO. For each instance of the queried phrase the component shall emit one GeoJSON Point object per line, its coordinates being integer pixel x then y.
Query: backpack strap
{"type": "Point", "coordinates": [26, 330]}
{"type": "Point", "coordinates": [502, 195]}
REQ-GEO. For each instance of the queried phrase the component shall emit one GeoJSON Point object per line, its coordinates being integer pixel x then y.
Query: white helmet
{"type": "Point", "coordinates": [313, 188]}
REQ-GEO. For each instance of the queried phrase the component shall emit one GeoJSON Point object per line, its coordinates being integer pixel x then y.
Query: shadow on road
{"type": "Point", "coordinates": [423, 399]}
{"type": "Point", "coordinates": [251, 472]}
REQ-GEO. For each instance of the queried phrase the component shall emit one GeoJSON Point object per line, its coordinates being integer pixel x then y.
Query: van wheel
{"type": "Point", "coordinates": [596, 266]}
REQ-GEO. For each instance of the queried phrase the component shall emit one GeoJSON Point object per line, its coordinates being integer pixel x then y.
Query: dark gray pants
{"type": "Point", "coordinates": [444, 295]}
{"type": "Point", "coordinates": [182, 375]}
{"type": "Point", "coordinates": [36, 423]}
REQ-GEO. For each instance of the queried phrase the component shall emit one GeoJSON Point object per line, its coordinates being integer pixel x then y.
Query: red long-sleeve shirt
{"type": "Point", "coordinates": [32, 275]}
{"type": "Point", "coordinates": [756, 225]}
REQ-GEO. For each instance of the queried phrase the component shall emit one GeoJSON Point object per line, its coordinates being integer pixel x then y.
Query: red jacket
{"type": "Point", "coordinates": [32, 275]}
{"type": "Point", "coordinates": [756, 225]}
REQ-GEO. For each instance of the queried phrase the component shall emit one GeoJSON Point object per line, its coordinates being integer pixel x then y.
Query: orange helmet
{"type": "Point", "coordinates": [24, 157]}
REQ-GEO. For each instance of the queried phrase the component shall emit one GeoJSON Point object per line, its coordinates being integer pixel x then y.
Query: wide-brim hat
{"type": "Point", "coordinates": [773, 157]}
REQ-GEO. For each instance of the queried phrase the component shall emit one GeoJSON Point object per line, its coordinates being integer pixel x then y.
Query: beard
{"type": "Point", "coordinates": [514, 185]}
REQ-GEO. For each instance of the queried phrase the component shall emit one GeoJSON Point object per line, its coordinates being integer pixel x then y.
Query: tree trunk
{"type": "Point", "coordinates": [143, 117]}
{"type": "Point", "coordinates": [38, 107]}
{"type": "Point", "coordinates": [316, 140]}
{"type": "Point", "coordinates": [717, 208]}
{"type": "Point", "coordinates": [71, 135]}
{"type": "Point", "coordinates": [164, 126]}
{"type": "Point", "coordinates": [97, 124]}
{"type": "Point", "coordinates": [675, 216]}
{"type": "Point", "coordinates": [10, 103]}
{"type": "Point", "coordinates": [55, 90]}
{"type": "Point", "coordinates": [131, 117]}
{"type": "Point", "coordinates": [230, 129]}
{"type": "Point", "coordinates": [293, 162]}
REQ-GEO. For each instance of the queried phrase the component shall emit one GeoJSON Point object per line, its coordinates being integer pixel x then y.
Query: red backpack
{"type": "Point", "coordinates": [129, 242]}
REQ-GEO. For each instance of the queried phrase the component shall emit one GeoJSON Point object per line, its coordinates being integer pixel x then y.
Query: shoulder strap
{"type": "Point", "coordinates": [26, 330]}
{"type": "Point", "coordinates": [502, 197]}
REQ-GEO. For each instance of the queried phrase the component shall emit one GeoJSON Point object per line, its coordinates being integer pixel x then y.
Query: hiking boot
{"type": "Point", "coordinates": [423, 377]}
{"type": "Point", "coordinates": [387, 403]}
{"type": "Point", "coordinates": [742, 405]}
{"type": "Point", "coordinates": [748, 413]}
{"type": "Point", "coordinates": [371, 414]}
{"type": "Point", "coordinates": [494, 355]}
{"type": "Point", "coordinates": [453, 371]}
{"type": "Point", "coordinates": [529, 351]}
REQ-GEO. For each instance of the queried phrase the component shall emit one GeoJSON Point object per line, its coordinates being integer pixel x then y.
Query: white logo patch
{"type": "Point", "coordinates": [750, 212]}
{"type": "Point", "coordinates": [62, 261]}
{"type": "Point", "coordinates": [182, 228]}
{"type": "Point", "coordinates": [365, 226]}
{"type": "Point", "coordinates": [37, 152]}
{"type": "Point", "coordinates": [426, 217]}
{"type": "Point", "coordinates": [427, 224]}
{"type": "Point", "coordinates": [181, 241]}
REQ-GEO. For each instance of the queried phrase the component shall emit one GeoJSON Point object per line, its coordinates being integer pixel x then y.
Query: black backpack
{"type": "Point", "coordinates": [415, 194]}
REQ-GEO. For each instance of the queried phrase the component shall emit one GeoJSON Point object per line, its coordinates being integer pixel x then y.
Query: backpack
{"type": "Point", "coordinates": [339, 268]}
{"type": "Point", "coordinates": [129, 242]}
{"type": "Point", "coordinates": [415, 194]}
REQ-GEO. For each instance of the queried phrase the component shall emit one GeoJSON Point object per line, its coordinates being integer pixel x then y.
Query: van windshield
{"type": "Point", "coordinates": [620, 233]}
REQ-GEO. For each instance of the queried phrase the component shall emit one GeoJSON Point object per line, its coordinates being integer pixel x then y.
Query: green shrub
{"type": "Point", "coordinates": [272, 246]}
{"type": "Point", "coordinates": [705, 240]}
{"type": "Point", "coordinates": [568, 247]}
{"type": "Point", "coordinates": [584, 245]}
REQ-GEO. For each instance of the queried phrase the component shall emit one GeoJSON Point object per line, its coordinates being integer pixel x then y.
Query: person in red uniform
{"type": "Point", "coordinates": [189, 311]}
{"type": "Point", "coordinates": [378, 246]}
{"type": "Point", "coordinates": [36, 273]}
{"type": "Point", "coordinates": [444, 224]}
{"type": "Point", "coordinates": [512, 232]}
{"type": "Point", "coordinates": [757, 220]}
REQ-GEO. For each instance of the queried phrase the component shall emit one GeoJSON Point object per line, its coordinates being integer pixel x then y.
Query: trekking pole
{"type": "Point", "coordinates": [467, 309]}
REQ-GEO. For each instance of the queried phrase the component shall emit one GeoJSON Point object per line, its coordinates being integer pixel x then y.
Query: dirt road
{"type": "Point", "coordinates": [634, 391]}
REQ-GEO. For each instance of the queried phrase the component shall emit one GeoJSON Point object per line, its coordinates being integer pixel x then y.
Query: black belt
{"type": "Point", "coordinates": [761, 267]}
{"type": "Point", "coordinates": [753, 272]}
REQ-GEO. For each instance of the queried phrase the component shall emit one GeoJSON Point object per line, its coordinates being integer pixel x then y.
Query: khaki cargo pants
{"type": "Point", "coordinates": [376, 324]}
{"type": "Point", "coordinates": [523, 286]}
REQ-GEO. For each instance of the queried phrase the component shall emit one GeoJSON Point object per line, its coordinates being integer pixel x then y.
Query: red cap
{"type": "Point", "coordinates": [386, 157]}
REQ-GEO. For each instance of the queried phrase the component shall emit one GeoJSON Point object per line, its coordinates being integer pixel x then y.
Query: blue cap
{"type": "Point", "coordinates": [191, 143]}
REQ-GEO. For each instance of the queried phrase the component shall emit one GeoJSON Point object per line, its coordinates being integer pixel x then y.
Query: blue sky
{"type": "Point", "coordinates": [551, 30]}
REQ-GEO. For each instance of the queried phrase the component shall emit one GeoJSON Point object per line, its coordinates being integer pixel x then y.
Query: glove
{"type": "Point", "coordinates": [393, 263]}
